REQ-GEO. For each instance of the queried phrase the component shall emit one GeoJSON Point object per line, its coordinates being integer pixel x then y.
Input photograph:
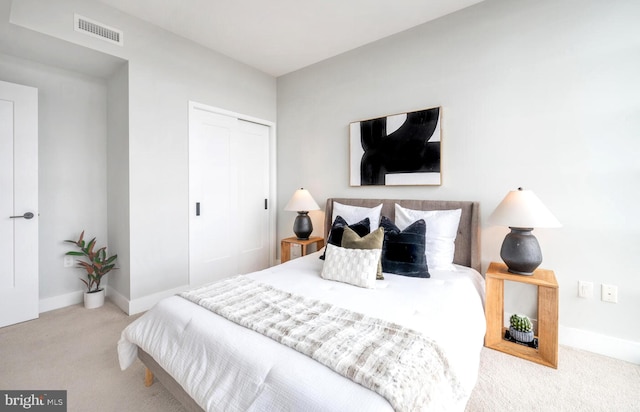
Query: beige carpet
{"type": "Point", "coordinates": [75, 349]}
{"type": "Point", "coordinates": [584, 382]}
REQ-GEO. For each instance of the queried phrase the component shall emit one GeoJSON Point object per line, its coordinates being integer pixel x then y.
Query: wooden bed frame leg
{"type": "Point", "coordinates": [148, 377]}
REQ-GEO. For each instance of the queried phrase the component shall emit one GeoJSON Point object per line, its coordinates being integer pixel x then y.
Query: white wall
{"type": "Point", "coordinates": [118, 180]}
{"type": "Point", "coordinates": [164, 73]}
{"type": "Point", "coordinates": [72, 168]}
{"type": "Point", "coordinates": [538, 94]}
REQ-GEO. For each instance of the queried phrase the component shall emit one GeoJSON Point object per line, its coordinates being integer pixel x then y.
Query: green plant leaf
{"type": "Point", "coordinates": [90, 246]}
{"type": "Point", "coordinates": [72, 253]}
{"type": "Point", "coordinates": [111, 260]}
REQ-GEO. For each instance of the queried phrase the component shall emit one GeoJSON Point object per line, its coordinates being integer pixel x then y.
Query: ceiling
{"type": "Point", "coordinates": [281, 36]}
{"type": "Point", "coordinates": [31, 45]}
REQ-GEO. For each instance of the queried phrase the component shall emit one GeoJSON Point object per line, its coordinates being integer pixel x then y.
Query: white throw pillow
{"type": "Point", "coordinates": [357, 267]}
{"type": "Point", "coordinates": [442, 229]}
{"type": "Point", "coordinates": [354, 214]}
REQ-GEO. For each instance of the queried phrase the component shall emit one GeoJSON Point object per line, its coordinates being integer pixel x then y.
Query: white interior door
{"type": "Point", "coordinates": [18, 203]}
{"type": "Point", "coordinates": [229, 175]}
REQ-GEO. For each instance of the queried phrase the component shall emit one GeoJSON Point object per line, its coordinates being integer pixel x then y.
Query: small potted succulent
{"type": "Point", "coordinates": [521, 328]}
{"type": "Point", "coordinates": [97, 265]}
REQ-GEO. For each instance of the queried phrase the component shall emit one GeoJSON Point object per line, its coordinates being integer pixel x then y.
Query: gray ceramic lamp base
{"type": "Point", "coordinates": [302, 226]}
{"type": "Point", "coordinates": [521, 251]}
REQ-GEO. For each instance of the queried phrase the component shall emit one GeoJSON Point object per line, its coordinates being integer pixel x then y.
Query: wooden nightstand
{"type": "Point", "coordinates": [285, 246]}
{"type": "Point", "coordinates": [545, 280]}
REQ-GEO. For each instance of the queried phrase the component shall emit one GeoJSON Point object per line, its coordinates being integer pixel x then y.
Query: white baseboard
{"type": "Point", "coordinates": [146, 302]}
{"type": "Point", "coordinates": [135, 306]}
{"type": "Point", "coordinates": [61, 301]}
{"type": "Point", "coordinates": [130, 307]}
{"type": "Point", "coordinates": [593, 342]}
{"type": "Point", "coordinates": [118, 299]}
{"type": "Point", "coordinates": [604, 345]}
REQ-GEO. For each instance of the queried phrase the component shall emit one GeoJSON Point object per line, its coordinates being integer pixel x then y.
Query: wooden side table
{"type": "Point", "coordinates": [285, 246]}
{"type": "Point", "coordinates": [545, 280]}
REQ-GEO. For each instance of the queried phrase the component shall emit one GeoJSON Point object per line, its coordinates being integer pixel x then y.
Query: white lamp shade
{"type": "Point", "coordinates": [522, 209]}
{"type": "Point", "coordinates": [301, 201]}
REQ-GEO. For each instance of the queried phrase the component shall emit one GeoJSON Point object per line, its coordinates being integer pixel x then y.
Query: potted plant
{"type": "Point", "coordinates": [521, 328]}
{"type": "Point", "coordinates": [97, 265]}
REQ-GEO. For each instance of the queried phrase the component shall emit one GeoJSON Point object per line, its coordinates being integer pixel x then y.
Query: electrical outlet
{"type": "Point", "coordinates": [585, 289]}
{"type": "Point", "coordinates": [69, 261]}
{"type": "Point", "coordinates": [609, 293]}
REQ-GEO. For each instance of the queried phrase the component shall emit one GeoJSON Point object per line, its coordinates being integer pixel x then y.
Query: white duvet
{"type": "Point", "coordinates": [225, 367]}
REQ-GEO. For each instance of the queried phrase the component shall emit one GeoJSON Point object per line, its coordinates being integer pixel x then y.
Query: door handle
{"type": "Point", "coordinates": [27, 215]}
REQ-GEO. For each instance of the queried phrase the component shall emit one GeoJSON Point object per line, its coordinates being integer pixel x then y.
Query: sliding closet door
{"type": "Point", "coordinates": [213, 195]}
{"type": "Point", "coordinates": [228, 185]}
{"type": "Point", "coordinates": [253, 198]}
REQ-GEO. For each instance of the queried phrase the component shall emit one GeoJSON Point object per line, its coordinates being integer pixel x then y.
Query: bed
{"type": "Point", "coordinates": [209, 362]}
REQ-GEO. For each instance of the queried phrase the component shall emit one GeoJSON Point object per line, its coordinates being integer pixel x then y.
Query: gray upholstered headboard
{"type": "Point", "coordinates": [468, 239]}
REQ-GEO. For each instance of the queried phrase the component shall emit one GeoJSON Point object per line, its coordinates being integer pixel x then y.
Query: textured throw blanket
{"type": "Point", "coordinates": [398, 363]}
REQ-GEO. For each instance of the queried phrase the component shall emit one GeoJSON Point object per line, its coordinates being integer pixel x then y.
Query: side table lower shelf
{"type": "Point", "coordinates": [519, 350]}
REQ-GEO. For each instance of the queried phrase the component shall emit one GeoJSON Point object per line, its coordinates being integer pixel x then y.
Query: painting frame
{"type": "Point", "coordinates": [401, 149]}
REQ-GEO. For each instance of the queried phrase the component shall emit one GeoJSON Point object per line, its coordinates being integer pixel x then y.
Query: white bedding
{"type": "Point", "coordinates": [225, 367]}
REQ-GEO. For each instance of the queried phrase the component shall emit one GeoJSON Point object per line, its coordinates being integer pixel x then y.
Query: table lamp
{"type": "Point", "coordinates": [302, 202]}
{"type": "Point", "coordinates": [521, 210]}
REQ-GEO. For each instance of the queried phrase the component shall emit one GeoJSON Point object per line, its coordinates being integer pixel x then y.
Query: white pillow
{"type": "Point", "coordinates": [357, 267]}
{"type": "Point", "coordinates": [442, 229]}
{"type": "Point", "coordinates": [354, 214]}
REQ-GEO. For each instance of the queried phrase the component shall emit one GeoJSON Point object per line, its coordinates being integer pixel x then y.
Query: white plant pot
{"type": "Point", "coordinates": [525, 337]}
{"type": "Point", "coordinates": [94, 299]}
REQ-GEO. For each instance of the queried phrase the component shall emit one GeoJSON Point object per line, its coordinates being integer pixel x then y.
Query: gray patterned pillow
{"type": "Point", "coordinates": [357, 267]}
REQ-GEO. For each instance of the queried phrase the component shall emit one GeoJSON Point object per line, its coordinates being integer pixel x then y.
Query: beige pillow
{"type": "Point", "coordinates": [374, 240]}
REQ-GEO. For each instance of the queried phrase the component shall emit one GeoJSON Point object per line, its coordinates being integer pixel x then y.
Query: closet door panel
{"type": "Point", "coordinates": [253, 179]}
{"type": "Point", "coordinates": [229, 181]}
{"type": "Point", "coordinates": [213, 197]}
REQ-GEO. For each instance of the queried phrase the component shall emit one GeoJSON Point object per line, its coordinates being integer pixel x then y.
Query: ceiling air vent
{"type": "Point", "coordinates": [96, 29]}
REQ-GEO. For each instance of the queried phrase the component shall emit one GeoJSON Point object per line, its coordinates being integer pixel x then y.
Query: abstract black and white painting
{"type": "Point", "coordinates": [402, 149]}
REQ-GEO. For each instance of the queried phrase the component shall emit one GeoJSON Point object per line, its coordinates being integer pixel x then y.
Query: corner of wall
{"type": "Point", "coordinates": [120, 301]}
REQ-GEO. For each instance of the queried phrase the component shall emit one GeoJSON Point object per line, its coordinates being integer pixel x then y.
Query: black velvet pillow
{"type": "Point", "coordinates": [403, 251]}
{"type": "Point", "coordinates": [335, 235]}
